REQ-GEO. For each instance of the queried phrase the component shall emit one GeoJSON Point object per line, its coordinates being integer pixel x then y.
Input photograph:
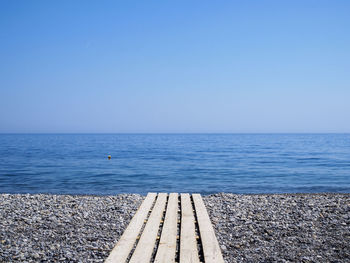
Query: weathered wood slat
{"type": "Point", "coordinates": [122, 249]}
{"type": "Point", "coordinates": [211, 249]}
{"type": "Point", "coordinates": [145, 246]}
{"type": "Point", "coordinates": [188, 243]}
{"type": "Point", "coordinates": [167, 245]}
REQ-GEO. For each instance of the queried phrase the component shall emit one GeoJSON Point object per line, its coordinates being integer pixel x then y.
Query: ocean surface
{"type": "Point", "coordinates": [204, 163]}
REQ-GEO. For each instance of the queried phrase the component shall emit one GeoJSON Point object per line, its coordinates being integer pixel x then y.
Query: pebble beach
{"type": "Point", "coordinates": [249, 228]}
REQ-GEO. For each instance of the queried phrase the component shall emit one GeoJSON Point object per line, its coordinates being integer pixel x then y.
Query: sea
{"type": "Point", "coordinates": [194, 163]}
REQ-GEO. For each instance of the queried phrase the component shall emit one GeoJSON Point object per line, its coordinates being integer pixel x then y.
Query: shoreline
{"type": "Point", "coordinates": [203, 195]}
{"type": "Point", "coordinates": [298, 227]}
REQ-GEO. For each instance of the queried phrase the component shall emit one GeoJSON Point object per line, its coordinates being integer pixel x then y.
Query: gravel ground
{"type": "Point", "coordinates": [282, 228]}
{"type": "Point", "coordinates": [250, 228]}
{"type": "Point", "coordinates": [62, 228]}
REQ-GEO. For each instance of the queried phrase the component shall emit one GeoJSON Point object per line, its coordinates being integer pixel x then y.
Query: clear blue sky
{"type": "Point", "coordinates": [174, 66]}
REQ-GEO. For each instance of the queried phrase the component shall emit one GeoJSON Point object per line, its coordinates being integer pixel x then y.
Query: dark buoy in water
{"type": "Point", "coordinates": [109, 157]}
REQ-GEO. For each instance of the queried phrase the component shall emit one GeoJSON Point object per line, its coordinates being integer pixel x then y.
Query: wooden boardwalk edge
{"type": "Point", "coordinates": [211, 248]}
{"type": "Point", "coordinates": [144, 249]}
{"type": "Point", "coordinates": [125, 244]}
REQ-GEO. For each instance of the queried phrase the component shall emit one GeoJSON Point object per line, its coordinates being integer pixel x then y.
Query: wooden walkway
{"type": "Point", "coordinates": [168, 228]}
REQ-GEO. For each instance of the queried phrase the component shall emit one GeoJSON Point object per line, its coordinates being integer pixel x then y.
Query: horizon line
{"type": "Point", "coordinates": [170, 133]}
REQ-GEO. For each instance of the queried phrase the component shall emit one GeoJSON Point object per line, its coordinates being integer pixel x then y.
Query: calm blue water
{"type": "Point", "coordinates": [204, 163]}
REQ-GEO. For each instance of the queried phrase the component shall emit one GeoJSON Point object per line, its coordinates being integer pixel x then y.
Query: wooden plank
{"type": "Point", "coordinates": [167, 244]}
{"type": "Point", "coordinates": [211, 249]}
{"type": "Point", "coordinates": [125, 244]}
{"type": "Point", "coordinates": [145, 246]}
{"type": "Point", "coordinates": [188, 243]}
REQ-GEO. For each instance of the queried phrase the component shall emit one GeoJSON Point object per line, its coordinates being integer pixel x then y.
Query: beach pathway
{"type": "Point", "coordinates": [168, 228]}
